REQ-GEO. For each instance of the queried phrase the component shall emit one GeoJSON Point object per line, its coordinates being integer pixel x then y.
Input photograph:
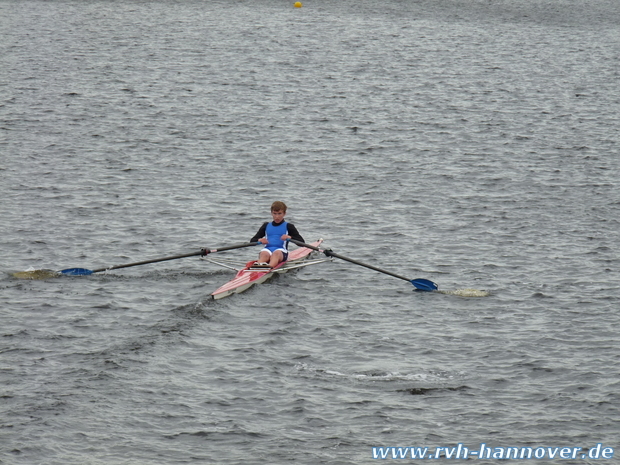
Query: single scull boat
{"type": "Point", "coordinates": [247, 276]}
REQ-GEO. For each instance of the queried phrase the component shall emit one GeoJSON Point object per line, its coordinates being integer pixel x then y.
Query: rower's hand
{"type": "Point", "coordinates": [285, 237]}
{"type": "Point", "coordinates": [263, 240]}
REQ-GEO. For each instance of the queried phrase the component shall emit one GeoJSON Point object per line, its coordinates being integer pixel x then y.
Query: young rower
{"type": "Point", "coordinates": [275, 236]}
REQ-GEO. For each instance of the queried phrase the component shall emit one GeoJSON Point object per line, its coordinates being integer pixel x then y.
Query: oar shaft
{"type": "Point", "coordinates": [329, 253]}
{"type": "Point", "coordinates": [369, 266]}
{"type": "Point", "coordinates": [146, 262]}
{"type": "Point", "coordinates": [174, 257]}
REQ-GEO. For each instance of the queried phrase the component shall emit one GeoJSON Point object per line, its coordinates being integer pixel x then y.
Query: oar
{"type": "Point", "coordinates": [420, 283]}
{"type": "Point", "coordinates": [202, 252]}
{"type": "Point", "coordinates": [85, 271]}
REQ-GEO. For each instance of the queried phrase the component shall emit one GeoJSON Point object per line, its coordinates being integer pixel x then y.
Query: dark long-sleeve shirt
{"type": "Point", "coordinates": [292, 231]}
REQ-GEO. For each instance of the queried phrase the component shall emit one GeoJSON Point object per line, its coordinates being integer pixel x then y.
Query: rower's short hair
{"type": "Point", "coordinates": [278, 206]}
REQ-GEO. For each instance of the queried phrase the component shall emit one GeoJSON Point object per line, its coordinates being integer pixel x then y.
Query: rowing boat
{"type": "Point", "coordinates": [248, 276]}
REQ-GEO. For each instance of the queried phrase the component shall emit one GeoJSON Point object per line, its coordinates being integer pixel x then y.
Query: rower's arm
{"type": "Point", "coordinates": [262, 231]}
{"type": "Point", "coordinates": [292, 231]}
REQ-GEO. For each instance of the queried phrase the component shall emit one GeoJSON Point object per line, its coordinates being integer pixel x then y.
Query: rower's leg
{"type": "Point", "coordinates": [276, 257]}
{"type": "Point", "coordinates": [264, 257]}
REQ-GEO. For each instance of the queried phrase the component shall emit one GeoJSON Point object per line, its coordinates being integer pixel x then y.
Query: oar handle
{"type": "Point", "coordinates": [229, 247]}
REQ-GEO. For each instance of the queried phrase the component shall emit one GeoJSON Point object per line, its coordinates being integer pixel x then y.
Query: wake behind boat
{"type": "Point", "coordinates": [250, 275]}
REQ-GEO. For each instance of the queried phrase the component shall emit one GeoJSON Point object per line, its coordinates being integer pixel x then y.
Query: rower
{"type": "Point", "coordinates": [274, 235]}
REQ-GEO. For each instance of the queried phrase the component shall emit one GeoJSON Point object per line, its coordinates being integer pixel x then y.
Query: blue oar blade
{"type": "Point", "coordinates": [422, 284]}
{"type": "Point", "coordinates": [76, 272]}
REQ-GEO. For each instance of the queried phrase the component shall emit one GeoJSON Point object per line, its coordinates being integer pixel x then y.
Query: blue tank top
{"type": "Point", "coordinates": [274, 233]}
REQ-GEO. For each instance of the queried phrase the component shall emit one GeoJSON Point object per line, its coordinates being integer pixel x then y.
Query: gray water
{"type": "Point", "coordinates": [473, 143]}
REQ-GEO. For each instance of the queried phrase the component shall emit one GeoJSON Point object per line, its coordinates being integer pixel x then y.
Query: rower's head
{"type": "Point", "coordinates": [278, 206]}
{"type": "Point", "coordinates": [278, 211]}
